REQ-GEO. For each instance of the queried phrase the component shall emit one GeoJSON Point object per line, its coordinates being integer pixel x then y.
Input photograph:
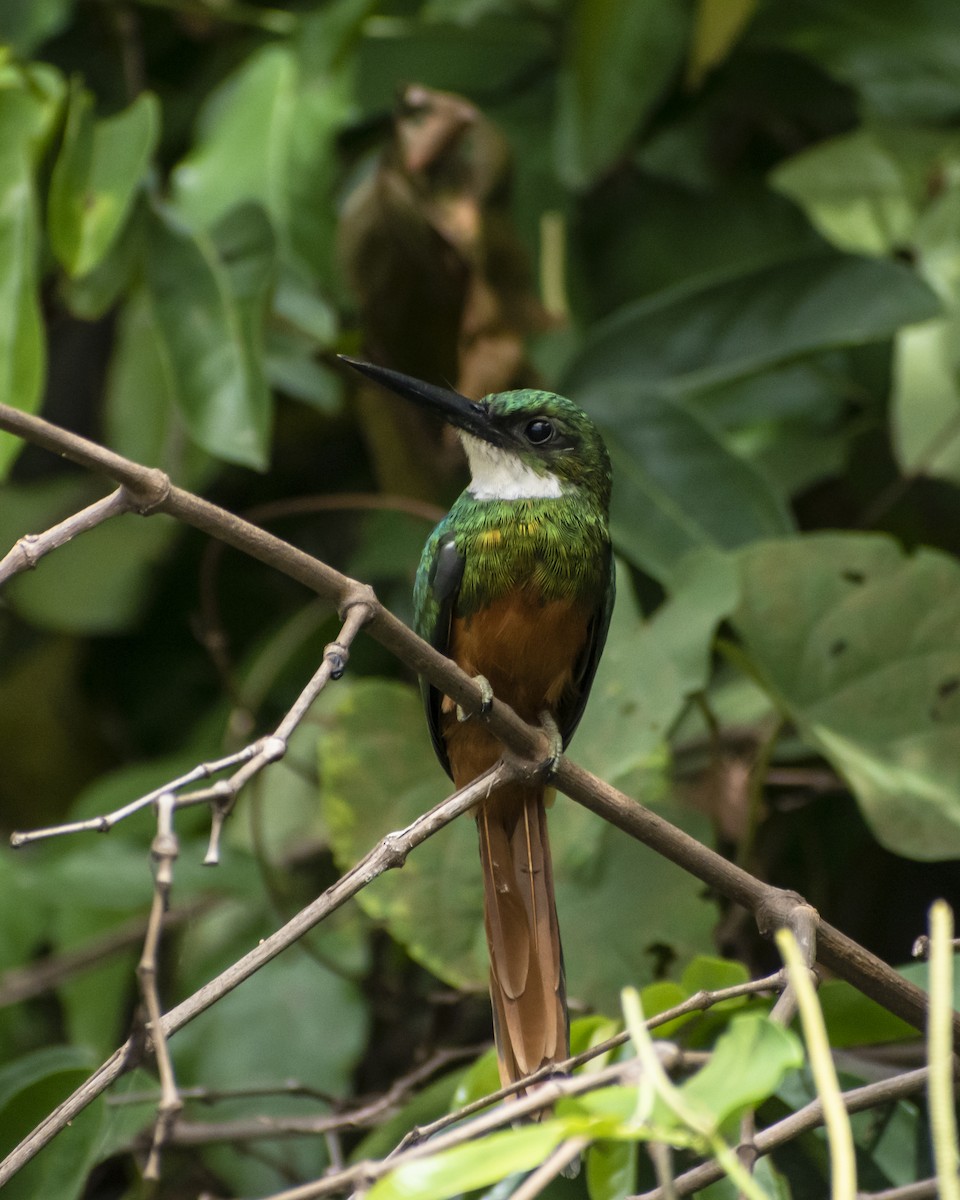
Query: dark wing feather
{"type": "Point", "coordinates": [571, 706]}
{"type": "Point", "coordinates": [444, 573]}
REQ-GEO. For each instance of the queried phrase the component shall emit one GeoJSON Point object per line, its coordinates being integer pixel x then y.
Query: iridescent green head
{"type": "Point", "coordinates": [521, 445]}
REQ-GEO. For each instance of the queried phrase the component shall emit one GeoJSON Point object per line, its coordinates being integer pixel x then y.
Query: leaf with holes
{"type": "Point", "coordinates": [860, 644]}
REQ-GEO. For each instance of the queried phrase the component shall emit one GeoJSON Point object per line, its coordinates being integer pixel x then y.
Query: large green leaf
{"type": "Point", "coordinates": [24, 24]}
{"type": "Point", "coordinates": [926, 398]}
{"type": "Point", "coordinates": [29, 103]}
{"type": "Point", "coordinates": [378, 773]}
{"type": "Point", "coordinates": [650, 667]}
{"type": "Point", "coordinates": [98, 171]}
{"type": "Point", "coordinates": [206, 311]}
{"type": "Point", "coordinates": [747, 1064]}
{"type": "Point", "coordinates": [703, 334]}
{"type": "Point", "coordinates": [618, 58]}
{"type": "Point", "coordinates": [903, 60]}
{"type": "Point", "coordinates": [267, 136]}
{"type": "Point", "coordinates": [677, 487]}
{"type": "Point", "coordinates": [861, 646]}
{"type": "Point", "coordinates": [294, 1019]}
{"type": "Point", "coordinates": [471, 1166]}
{"type": "Point", "coordinates": [865, 190]}
{"type": "Point", "coordinates": [648, 373]}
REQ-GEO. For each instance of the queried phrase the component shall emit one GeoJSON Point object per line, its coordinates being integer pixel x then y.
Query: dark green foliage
{"type": "Point", "coordinates": [755, 293]}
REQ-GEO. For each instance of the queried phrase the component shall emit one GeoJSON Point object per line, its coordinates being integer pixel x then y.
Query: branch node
{"type": "Point", "coordinates": [273, 748]}
{"type": "Point", "coordinates": [151, 490]}
{"type": "Point", "coordinates": [360, 595]}
{"type": "Point", "coordinates": [337, 656]}
{"type": "Point", "coordinates": [782, 909]}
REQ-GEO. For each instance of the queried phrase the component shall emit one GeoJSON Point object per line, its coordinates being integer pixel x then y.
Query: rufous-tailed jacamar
{"type": "Point", "coordinates": [516, 585]}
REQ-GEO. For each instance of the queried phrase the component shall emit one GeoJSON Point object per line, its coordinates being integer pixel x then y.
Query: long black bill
{"type": "Point", "coordinates": [458, 410]}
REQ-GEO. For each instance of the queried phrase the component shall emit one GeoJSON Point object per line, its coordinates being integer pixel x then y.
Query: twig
{"type": "Point", "coordinates": [27, 552]}
{"type": "Point", "coordinates": [940, 1060]}
{"type": "Point", "coordinates": [809, 1117]}
{"type": "Point", "coordinates": [843, 1163]}
{"type": "Point", "coordinates": [921, 947]}
{"type": "Point", "coordinates": [391, 851]}
{"type": "Point", "coordinates": [249, 761]}
{"type": "Point", "coordinates": [164, 850]}
{"type": "Point", "coordinates": [153, 492]}
{"type": "Point", "coordinates": [355, 1116]}
{"type": "Point", "coordinates": [698, 1002]}
{"type": "Point", "coordinates": [363, 1174]}
{"type": "Point", "coordinates": [23, 983]}
{"type": "Point", "coordinates": [566, 1153]}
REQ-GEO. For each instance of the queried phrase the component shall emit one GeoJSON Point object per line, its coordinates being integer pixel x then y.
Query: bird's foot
{"type": "Point", "coordinates": [550, 728]}
{"type": "Point", "coordinates": [486, 700]}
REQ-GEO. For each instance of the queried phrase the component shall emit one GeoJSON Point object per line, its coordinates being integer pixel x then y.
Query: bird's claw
{"type": "Point", "coordinates": [486, 700]}
{"type": "Point", "coordinates": [552, 732]}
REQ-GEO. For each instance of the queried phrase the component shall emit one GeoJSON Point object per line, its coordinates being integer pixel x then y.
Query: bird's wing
{"type": "Point", "coordinates": [435, 597]}
{"type": "Point", "coordinates": [572, 704]}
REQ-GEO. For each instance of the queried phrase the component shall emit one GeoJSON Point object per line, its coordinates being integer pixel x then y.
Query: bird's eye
{"type": "Point", "coordinates": [538, 431]}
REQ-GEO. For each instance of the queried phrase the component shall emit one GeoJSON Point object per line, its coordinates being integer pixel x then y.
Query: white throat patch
{"type": "Point", "coordinates": [501, 475]}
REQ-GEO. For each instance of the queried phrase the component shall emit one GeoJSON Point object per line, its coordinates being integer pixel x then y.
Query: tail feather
{"type": "Point", "coordinates": [523, 935]}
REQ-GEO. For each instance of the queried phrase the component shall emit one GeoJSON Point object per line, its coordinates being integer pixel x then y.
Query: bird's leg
{"type": "Point", "coordinates": [549, 726]}
{"type": "Point", "coordinates": [486, 699]}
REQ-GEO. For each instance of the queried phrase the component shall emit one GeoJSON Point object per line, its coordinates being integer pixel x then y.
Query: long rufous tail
{"type": "Point", "coordinates": [530, 1021]}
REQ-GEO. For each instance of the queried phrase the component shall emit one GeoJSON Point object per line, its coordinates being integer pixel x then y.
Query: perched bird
{"type": "Point", "coordinates": [516, 585]}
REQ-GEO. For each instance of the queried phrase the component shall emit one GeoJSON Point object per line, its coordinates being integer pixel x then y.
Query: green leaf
{"type": "Point", "coordinates": [852, 1019]}
{"type": "Point", "coordinates": [206, 313]}
{"type": "Point", "coordinates": [141, 417]}
{"type": "Point", "coordinates": [30, 1088]}
{"type": "Point", "coordinates": [746, 1067]}
{"type": "Point", "coordinates": [100, 168]}
{"type": "Point", "coordinates": [260, 1034]}
{"type": "Point", "coordinates": [650, 667]}
{"type": "Point", "coordinates": [267, 136]}
{"type": "Point", "coordinates": [670, 462]}
{"type": "Point", "coordinates": [865, 190]}
{"type": "Point", "coordinates": [474, 1165]}
{"type": "Point", "coordinates": [699, 335]}
{"type": "Point", "coordinates": [29, 102]}
{"type": "Point", "coordinates": [695, 494]}
{"type": "Point", "coordinates": [925, 416]}
{"type": "Point", "coordinates": [668, 912]}
{"type": "Point", "coordinates": [611, 1170]}
{"type": "Point", "coordinates": [709, 974]}
{"type": "Point", "coordinates": [25, 24]}
{"type": "Point", "coordinates": [926, 395]}
{"type": "Point", "coordinates": [106, 573]}
{"type": "Point", "coordinates": [823, 624]}
{"type": "Point", "coordinates": [378, 773]}
{"type": "Point", "coordinates": [902, 60]}
{"type": "Point", "coordinates": [718, 25]}
{"type": "Point", "coordinates": [618, 59]}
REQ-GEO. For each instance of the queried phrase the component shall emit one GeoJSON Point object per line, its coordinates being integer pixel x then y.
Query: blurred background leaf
{"type": "Point", "coordinates": [730, 229]}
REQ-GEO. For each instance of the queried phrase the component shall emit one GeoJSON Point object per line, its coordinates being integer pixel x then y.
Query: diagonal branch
{"type": "Point", "coordinates": [390, 852]}
{"type": "Point", "coordinates": [151, 491]}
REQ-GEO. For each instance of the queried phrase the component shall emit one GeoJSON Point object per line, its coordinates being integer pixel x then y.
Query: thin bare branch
{"type": "Point", "coordinates": [390, 852]}
{"type": "Point", "coordinates": [363, 1174]}
{"type": "Point", "coordinates": [23, 983]}
{"type": "Point", "coordinates": [151, 491]}
{"type": "Point", "coordinates": [698, 1002]}
{"type": "Point", "coordinates": [28, 551]}
{"type": "Point", "coordinates": [809, 1117]}
{"type": "Point", "coordinates": [164, 851]}
{"type": "Point", "coordinates": [342, 1119]}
